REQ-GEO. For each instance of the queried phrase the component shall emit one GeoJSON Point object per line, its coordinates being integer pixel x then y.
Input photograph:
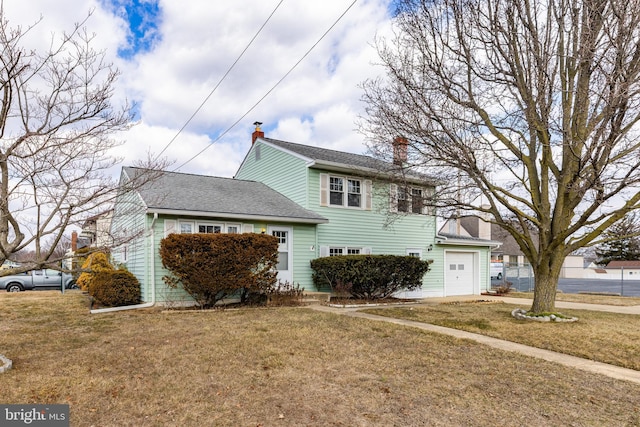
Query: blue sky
{"type": "Point", "coordinates": [172, 54]}
{"type": "Point", "coordinates": [143, 18]}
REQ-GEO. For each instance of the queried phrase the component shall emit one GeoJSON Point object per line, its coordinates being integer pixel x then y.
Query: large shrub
{"type": "Point", "coordinates": [114, 288]}
{"type": "Point", "coordinates": [369, 276]}
{"type": "Point", "coordinates": [211, 267]}
{"type": "Point", "coordinates": [94, 263]}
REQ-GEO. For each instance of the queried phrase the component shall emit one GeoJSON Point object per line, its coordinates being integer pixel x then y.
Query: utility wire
{"type": "Point", "coordinates": [270, 90]}
{"type": "Point", "coordinates": [219, 82]}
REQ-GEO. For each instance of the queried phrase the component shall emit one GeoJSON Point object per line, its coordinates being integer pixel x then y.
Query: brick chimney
{"type": "Point", "coordinates": [256, 133]}
{"type": "Point", "coordinates": [400, 145]}
{"type": "Point", "coordinates": [74, 242]}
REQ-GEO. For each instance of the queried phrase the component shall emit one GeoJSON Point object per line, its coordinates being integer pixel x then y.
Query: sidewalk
{"type": "Point", "coordinates": [551, 356]}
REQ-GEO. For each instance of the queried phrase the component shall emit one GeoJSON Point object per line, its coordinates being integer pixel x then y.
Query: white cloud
{"type": "Point", "coordinates": [316, 104]}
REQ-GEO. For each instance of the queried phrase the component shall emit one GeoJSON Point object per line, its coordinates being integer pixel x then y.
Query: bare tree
{"type": "Point", "coordinates": [526, 109]}
{"type": "Point", "coordinates": [57, 126]}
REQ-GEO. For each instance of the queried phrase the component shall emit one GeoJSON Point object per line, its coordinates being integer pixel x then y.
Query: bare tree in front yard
{"type": "Point", "coordinates": [57, 127]}
{"type": "Point", "coordinates": [526, 110]}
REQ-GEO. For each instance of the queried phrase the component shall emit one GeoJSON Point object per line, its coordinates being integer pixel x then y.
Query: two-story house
{"type": "Point", "coordinates": [318, 202]}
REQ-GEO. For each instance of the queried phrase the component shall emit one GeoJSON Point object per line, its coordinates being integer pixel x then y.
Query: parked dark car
{"type": "Point", "coordinates": [37, 279]}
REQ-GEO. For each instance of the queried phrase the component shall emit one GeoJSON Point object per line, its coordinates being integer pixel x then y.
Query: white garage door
{"type": "Point", "coordinates": [460, 273]}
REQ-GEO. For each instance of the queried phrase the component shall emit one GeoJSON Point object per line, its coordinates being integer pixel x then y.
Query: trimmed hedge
{"type": "Point", "coordinates": [369, 276]}
{"type": "Point", "coordinates": [115, 288]}
{"type": "Point", "coordinates": [211, 267]}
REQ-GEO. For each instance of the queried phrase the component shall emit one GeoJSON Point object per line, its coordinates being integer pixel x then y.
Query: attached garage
{"type": "Point", "coordinates": [461, 273]}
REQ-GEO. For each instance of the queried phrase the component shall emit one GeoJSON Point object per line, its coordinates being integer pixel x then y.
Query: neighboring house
{"type": "Point", "coordinates": [507, 251]}
{"type": "Point", "coordinates": [615, 270]}
{"type": "Point", "coordinates": [95, 233]}
{"type": "Point", "coordinates": [318, 202]}
{"type": "Point", "coordinates": [96, 230]}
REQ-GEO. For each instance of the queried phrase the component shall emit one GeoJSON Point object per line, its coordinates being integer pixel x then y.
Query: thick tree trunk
{"type": "Point", "coordinates": [546, 284]}
{"type": "Point", "coordinates": [544, 296]}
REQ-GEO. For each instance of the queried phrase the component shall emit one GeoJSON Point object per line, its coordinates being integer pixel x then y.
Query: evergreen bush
{"type": "Point", "coordinates": [115, 288]}
{"type": "Point", "coordinates": [369, 276]}
{"type": "Point", "coordinates": [94, 263]}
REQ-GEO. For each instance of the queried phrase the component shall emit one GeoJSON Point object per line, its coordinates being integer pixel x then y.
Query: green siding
{"type": "Point", "coordinates": [375, 228]}
{"type": "Point", "coordinates": [129, 227]}
{"type": "Point", "coordinates": [304, 250]}
{"type": "Point", "coordinates": [303, 240]}
{"type": "Point", "coordinates": [281, 171]}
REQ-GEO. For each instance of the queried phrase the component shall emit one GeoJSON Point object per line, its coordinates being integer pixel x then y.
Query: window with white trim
{"type": "Point", "coordinates": [336, 191]}
{"type": "Point", "coordinates": [417, 201]}
{"type": "Point", "coordinates": [345, 191]}
{"type": "Point", "coordinates": [403, 202]}
{"type": "Point", "coordinates": [408, 199]}
{"type": "Point", "coordinates": [189, 227]}
{"type": "Point", "coordinates": [336, 251]}
{"type": "Point", "coordinates": [343, 250]}
{"type": "Point", "coordinates": [210, 228]}
{"type": "Point", "coordinates": [354, 197]}
{"type": "Point", "coordinates": [186, 227]}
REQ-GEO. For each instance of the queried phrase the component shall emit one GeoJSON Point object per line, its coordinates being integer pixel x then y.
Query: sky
{"type": "Point", "coordinates": [173, 54]}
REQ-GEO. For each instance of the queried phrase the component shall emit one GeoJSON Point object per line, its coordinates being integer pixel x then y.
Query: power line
{"type": "Point", "coordinates": [220, 81]}
{"type": "Point", "coordinates": [270, 90]}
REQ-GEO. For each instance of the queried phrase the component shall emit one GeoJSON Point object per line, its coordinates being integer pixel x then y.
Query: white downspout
{"type": "Point", "coordinates": [153, 279]}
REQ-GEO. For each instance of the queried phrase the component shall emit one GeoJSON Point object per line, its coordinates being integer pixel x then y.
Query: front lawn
{"type": "Point", "coordinates": [605, 337]}
{"type": "Point", "coordinates": [281, 367]}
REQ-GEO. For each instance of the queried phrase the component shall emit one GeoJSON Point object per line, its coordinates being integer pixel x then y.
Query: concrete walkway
{"type": "Point", "coordinates": [551, 356]}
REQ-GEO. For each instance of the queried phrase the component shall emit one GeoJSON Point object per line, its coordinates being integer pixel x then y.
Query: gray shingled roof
{"type": "Point", "coordinates": [189, 193]}
{"type": "Point", "coordinates": [347, 160]}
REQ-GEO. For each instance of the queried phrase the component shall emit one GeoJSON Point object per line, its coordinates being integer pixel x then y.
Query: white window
{"type": "Point", "coordinates": [186, 227]}
{"type": "Point", "coordinates": [408, 199]}
{"type": "Point", "coordinates": [210, 228]}
{"type": "Point", "coordinates": [403, 202]}
{"type": "Point", "coordinates": [417, 253]}
{"type": "Point", "coordinates": [355, 193]}
{"type": "Point", "coordinates": [336, 191]}
{"type": "Point", "coordinates": [281, 236]}
{"type": "Point", "coordinates": [336, 251]}
{"type": "Point", "coordinates": [343, 250]}
{"type": "Point", "coordinates": [417, 201]}
{"type": "Point", "coordinates": [343, 191]}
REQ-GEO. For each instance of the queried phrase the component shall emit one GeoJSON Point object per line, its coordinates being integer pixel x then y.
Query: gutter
{"type": "Point", "coordinates": [153, 280]}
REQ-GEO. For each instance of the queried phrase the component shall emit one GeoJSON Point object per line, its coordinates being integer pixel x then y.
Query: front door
{"type": "Point", "coordinates": [285, 268]}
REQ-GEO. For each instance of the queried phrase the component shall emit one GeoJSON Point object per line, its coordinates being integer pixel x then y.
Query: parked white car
{"type": "Point", "coordinates": [496, 270]}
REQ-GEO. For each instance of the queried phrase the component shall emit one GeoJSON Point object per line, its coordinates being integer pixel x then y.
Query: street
{"type": "Point", "coordinates": [628, 288]}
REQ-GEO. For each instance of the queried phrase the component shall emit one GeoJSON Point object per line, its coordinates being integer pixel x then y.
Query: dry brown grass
{"type": "Point", "coordinates": [605, 337]}
{"type": "Point", "coordinates": [281, 367]}
{"type": "Point", "coordinates": [586, 298]}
